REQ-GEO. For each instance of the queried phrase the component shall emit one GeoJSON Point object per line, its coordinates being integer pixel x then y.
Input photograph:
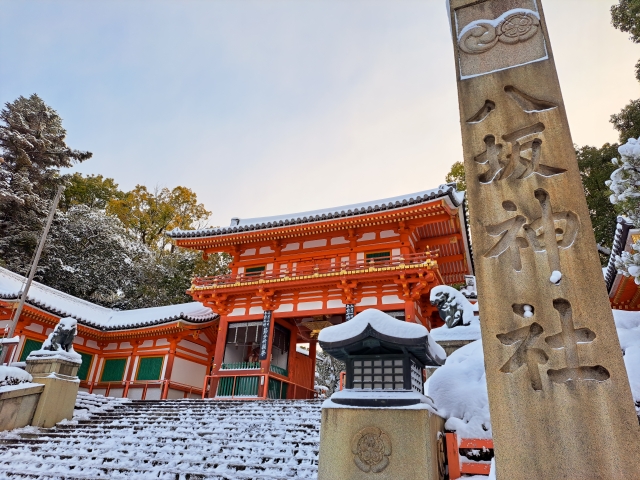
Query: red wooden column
{"type": "Point", "coordinates": [129, 374]}
{"type": "Point", "coordinates": [167, 372]}
{"type": "Point", "coordinates": [410, 311]}
{"type": "Point", "coordinates": [218, 356]}
{"type": "Point", "coordinates": [312, 353]}
{"type": "Point", "coordinates": [292, 364]}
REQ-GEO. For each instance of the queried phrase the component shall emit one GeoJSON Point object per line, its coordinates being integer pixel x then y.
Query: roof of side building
{"type": "Point", "coordinates": [96, 316]}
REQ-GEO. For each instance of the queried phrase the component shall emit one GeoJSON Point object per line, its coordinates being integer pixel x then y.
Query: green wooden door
{"type": "Point", "coordinates": [150, 368]}
{"type": "Point", "coordinates": [29, 346]}
{"type": "Point", "coordinates": [83, 371]}
{"type": "Point", "coordinates": [275, 389]}
{"type": "Point", "coordinates": [113, 370]}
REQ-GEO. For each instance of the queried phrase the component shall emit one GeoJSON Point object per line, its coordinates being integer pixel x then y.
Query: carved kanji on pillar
{"type": "Point", "coordinates": [552, 357]}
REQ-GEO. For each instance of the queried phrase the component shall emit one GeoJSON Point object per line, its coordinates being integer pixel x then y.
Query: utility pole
{"type": "Point", "coordinates": [32, 272]}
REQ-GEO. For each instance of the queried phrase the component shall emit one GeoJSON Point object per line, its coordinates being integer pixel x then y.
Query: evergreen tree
{"type": "Point", "coordinates": [625, 16]}
{"type": "Point", "coordinates": [595, 169]}
{"type": "Point", "coordinates": [33, 148]}
{"type": "Point", "coordinates": [90, 255]}
{"type": "Point", "coordinates": [456, 174]}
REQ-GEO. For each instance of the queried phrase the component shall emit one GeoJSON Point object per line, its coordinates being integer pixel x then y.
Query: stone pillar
{"type": "Point", "coordinates": [381, 443]}
{"type": "Point", "coordinates": [60, 380]}
{"type": "Point", "coordinates": [559, 396]}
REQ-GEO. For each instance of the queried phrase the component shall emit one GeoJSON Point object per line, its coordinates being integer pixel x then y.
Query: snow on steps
{"type": "Point", "coordinates": [170, 439]}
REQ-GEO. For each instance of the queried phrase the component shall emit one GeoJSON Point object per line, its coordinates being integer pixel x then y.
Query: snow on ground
{"type": "Point", "coordinates": [13, 376]}
{"type": "Point", "coordinates": [174, 439]}
{"type": "Point", "coordinates": [459, 391]}
{"type": "Point", "coordinates": [459, 387]}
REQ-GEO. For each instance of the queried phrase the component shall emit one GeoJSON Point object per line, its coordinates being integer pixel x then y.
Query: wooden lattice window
{"type": "Point", "coordinates": [83, 371]}
{"type": "Point", "coordinates": [150, 368]}
{"type": "Point", "coordinates": [378, 257]}
{"type": "Point", "coordinates": [255, 271]}
{"type": "Point", "coordinates": [113, 370]}
{"type": "Point", "coordinates": [29, 346]}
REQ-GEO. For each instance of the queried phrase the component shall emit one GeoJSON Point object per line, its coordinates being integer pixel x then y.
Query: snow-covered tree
{"type": "Point", "coordinates": [33, 149]}
{"type": "Point", "coordinates": [328, 372]}
{"type": "Point", "coordinates": [625, 188]}
{"type": "Point", "coordinates": [90, 255]}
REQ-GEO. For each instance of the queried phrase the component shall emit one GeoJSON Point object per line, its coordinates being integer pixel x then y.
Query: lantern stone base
{"type": "Point", "coordinates": [380, 443]}
{"type": "Point", "coordinates": [58, 375]}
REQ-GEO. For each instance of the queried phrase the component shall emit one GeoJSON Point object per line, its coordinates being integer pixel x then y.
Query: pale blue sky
{"type": "Point", "coordinates": [269, 107]}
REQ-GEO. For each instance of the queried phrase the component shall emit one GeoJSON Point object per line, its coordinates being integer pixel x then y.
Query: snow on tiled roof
{"type": "Point", "coordinates": [619, 242]}
{"type": "Point", "coordinates": [96, 316]}
{"type": "Point", "coordinates": [244, 225]}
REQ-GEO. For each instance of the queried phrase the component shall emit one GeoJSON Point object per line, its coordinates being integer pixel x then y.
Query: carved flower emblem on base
{"type": "Point", "coordinates": [371, 448]}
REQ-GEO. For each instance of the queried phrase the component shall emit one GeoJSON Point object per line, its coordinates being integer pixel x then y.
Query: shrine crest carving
{"type": "Point", "coordinates": [371, 448]}
{"type": "Point", "coordinates": [490, 40]}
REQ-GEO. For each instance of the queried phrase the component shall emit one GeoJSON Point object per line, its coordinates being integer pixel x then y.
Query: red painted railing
{"type": "Point", "coordinates": [309, 393]}
{"type": "Point", "coordinates": [324, 267]}
{"type": "Point", "coordinates": [163, 385]}
{"type": "Point", "coordinates": [458, 467]}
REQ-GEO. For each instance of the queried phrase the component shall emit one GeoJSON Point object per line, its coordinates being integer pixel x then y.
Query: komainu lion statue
{"type": "Point", "coordinates": [62, 336]}
{"type": "Point", "coordinates": [453, 307]}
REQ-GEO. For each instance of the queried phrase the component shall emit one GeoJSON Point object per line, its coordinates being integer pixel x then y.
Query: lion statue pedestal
{"type": "Point", "coordinates": [56, 367]}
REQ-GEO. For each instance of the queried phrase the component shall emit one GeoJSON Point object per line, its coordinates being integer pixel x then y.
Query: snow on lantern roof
{"type": "Point", "coordinates": [242, 225]}
{"type": "Point", "coordinates": [341, 340]}
{"type": "Point", "coordinates": [96, 316]}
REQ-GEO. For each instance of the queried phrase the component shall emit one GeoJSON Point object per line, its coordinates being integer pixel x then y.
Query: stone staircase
{"type": "Point", "coordinates": [170, 439]}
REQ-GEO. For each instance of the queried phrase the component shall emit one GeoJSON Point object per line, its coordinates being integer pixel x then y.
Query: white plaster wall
{"type": "Point", "coordinates": [388, 233]}
{"type": "Point", "coordinates": [161, 342]}
{"type": "Point", "coordinates": [92, 344]}
{"type": "Point", "coordinates": [291, 246]}
{"type": "Point", "coordinates": [339, 240]}
{"type": "Point", "coordinates": [193, 346]}
{"type": "Point", "coordinates": [189, 373]}
{"type": "Point", "coordinates": [368, 301]}
{"type": "Point", "coordinates": [238, 311]}
{"type": "Point", "coordinates": [309, 306]}
{"type": "Point", "coordinates": [248, 252]}
{"type": "Point", "coordinates": [367, 236]}
{"type": "Point", "coordinates": [285, 307]}
{"type": "Point", "coordinates": [255, 310]}
{"type": "Point", "coordinates": [387, 299]}
{"type": "Point", "coordinates": [266, 250]}
{"type": "Point", "coordinates": [35, 327]}
{"type": "Point", "coordinates": [335, 304]}
{"type": "Point", "coordinates": [315, 243]}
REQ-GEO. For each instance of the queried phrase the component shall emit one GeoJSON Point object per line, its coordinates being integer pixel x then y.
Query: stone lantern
{"type": "Point", "coordinates": [382, 355]}
{"type": "Point", "coordinates": [381, 424]}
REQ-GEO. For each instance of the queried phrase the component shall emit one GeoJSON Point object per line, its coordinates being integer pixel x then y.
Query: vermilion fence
{"type": "Point", "coordinates": [326, 266]}
{"type": "Point", "coordinates": [457, 466]}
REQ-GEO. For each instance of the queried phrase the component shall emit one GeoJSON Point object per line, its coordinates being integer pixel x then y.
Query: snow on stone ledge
{"type": "Point", "coordinates": [423, 403]}
{"type": "Point", "coordinates": [461, 332]}
{"type": "Point", "coordinates": [13, 376]}
{"type": "Point", "coordinates": [70, 356]}
{"type": "Point", "coordinates": [380, 321]}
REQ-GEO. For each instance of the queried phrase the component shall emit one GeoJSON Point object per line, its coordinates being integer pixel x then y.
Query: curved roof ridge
{"type": "Point", "coordinates": [260, 223]}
